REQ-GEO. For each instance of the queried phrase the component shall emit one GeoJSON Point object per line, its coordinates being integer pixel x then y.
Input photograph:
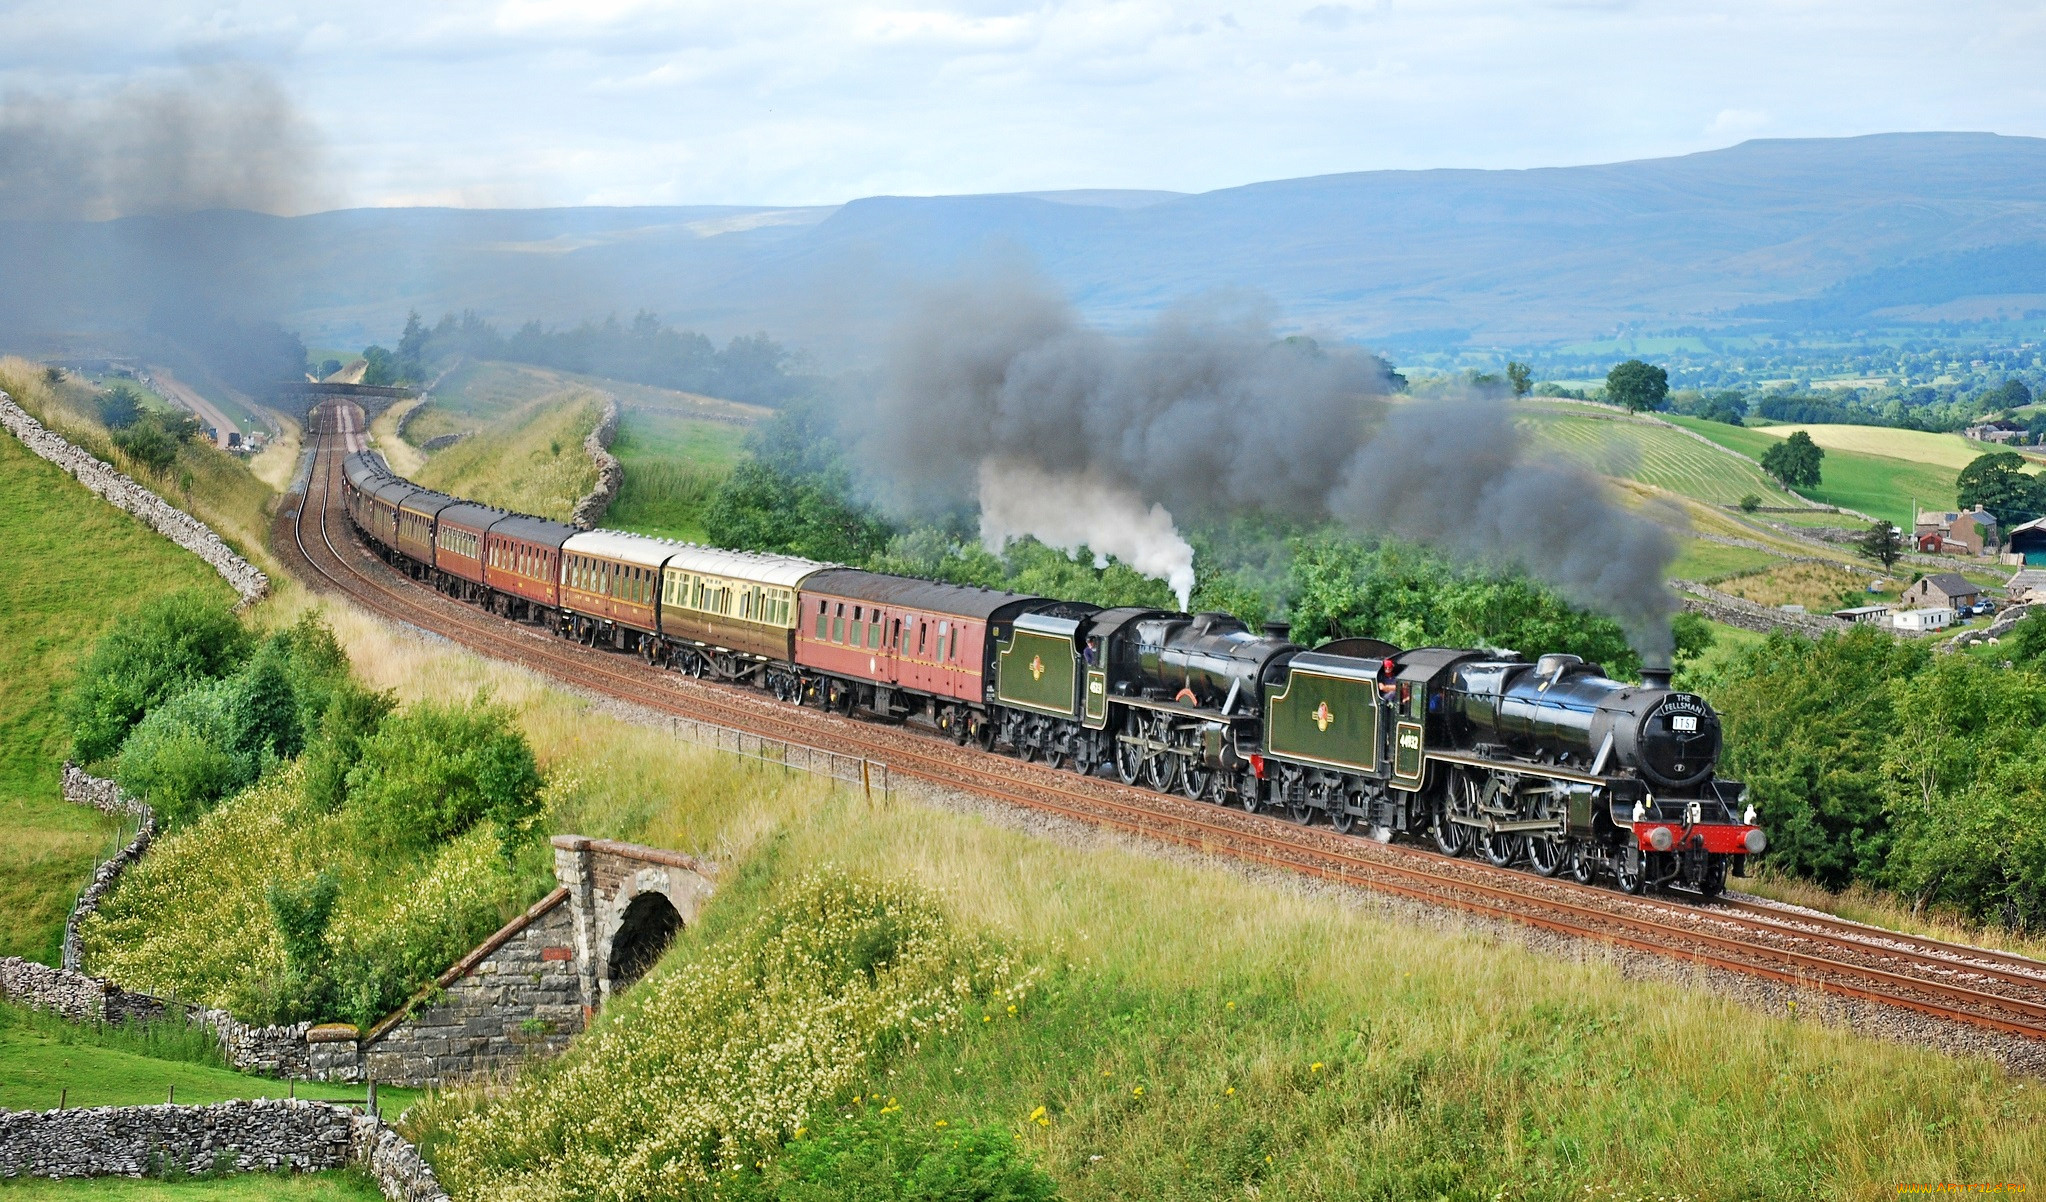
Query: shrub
{"type": "Point", "coordinates": [335, 745]}
{"type": "Point", "coordinates": [434, 771]}
{"type": "Point", "coordinates": [873, 1157]}
{"type": "Point", "coordinates": [148, 444]}
{"type": "Point", "coordinates": [170, 644]}
{"type": "Point", "coordinates": [188, 754]}
{"type": "Point", "coordinates": [1807, 727]}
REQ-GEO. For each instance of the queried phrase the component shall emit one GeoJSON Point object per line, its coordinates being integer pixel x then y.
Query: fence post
{"type": "Point", "coordinates": [866, 778]}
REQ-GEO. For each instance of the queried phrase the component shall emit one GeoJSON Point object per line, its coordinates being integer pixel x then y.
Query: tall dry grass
{"type": "Point", "coordinates": [532, 461]}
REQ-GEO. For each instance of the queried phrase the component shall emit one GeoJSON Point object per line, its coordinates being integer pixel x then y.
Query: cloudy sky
{"type": "Point", "coordinates": [543, 102]}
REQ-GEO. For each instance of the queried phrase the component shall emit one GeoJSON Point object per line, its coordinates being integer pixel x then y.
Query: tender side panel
{"type": "Point", "coordinates": [728, 612]}
{"type": "Point", "coordinates": [1327, 720]}
{"type": "Point", "coordinates": [1037, 671]}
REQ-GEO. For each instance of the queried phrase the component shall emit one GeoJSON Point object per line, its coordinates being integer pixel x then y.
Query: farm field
{"type": "Point", "coordinates": [1949, 451]}
{"type": "Point", "coordinates": [1880, 485]}
{"type": "Point", "coordinates": [54, 602]}
{"type": "Point", "coordinates": [1652, 454]}
{"type": "Point", "coordinates": [346, 1186]}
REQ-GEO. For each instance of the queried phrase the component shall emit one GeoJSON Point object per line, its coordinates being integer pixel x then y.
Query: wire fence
{"type": "Point", "coordinates": [869, 776]}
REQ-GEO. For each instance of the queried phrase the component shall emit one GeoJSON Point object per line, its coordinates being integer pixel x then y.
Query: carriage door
{"type": "Point", "coordinates": [1096, 704]}
{"type": "Point", "coordinates": [1406, 740]}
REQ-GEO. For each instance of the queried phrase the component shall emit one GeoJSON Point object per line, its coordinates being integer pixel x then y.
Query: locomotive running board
{"type": "Point", "coordinates": [1517, 769]}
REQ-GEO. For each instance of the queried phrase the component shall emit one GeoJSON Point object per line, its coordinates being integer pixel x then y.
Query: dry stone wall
{"type": "Point", "coordinates": [1746, 615]}
{"type": "Point", "coordinates": [610, 474]}
{"type": "Point", "coordinates": [121, 491]}
{"type": "Point", "coordinates": [107, 797]}
{"type": "Point", "coordinates": [259, 1135]}
{"type": "Point", "coordinates": [74, 995]}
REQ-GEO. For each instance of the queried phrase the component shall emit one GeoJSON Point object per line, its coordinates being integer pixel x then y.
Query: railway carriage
{"type": "Point", "coordinates": [522, 566]}
{"type": "Point", "coordinates": [363, 472]}
{"type": "Point", "coordinates": [414, 525]}
{"type": "Point", "coordinates": [611, 588]}
{"type": "Point", "coordinates": [383, 501]}
{"type": "Point", "coordinates": [732, 614]}
{"type": "Point", "coordinates": [459, 534]}
{"type": "Point", "coordinates": [898, 646]}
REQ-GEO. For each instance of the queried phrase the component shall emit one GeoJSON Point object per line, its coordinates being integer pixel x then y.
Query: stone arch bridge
{"type": "Point", "coordinates": [626, 902]}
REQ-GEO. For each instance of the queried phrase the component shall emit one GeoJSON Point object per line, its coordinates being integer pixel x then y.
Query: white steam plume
{"type": "Point", "coordinates": [1070, 512]}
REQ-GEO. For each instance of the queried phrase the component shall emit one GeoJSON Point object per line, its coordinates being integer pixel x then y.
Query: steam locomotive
{"type": "Point", "coordinates": [1550, 764]}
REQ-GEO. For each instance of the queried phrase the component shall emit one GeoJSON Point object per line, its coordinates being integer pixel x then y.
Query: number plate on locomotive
{"type": "Point", "coordinates": [1684, 722]}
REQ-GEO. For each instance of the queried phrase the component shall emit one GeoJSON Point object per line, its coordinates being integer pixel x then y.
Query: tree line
{"type": "Point", "coordinates": [751, 367]}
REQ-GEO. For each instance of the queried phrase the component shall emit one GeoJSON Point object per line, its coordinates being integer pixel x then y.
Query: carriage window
{"type": "Point", "coordinates": [873, 635]}
{"type": "Point", "coordinates": [820, 619]}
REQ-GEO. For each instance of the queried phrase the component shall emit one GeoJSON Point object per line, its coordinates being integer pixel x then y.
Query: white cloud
{"type": "Point", "coordinates": [791, 102]}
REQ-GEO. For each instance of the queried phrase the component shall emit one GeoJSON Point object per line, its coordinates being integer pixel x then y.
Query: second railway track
{"type": "Point", "coordinates": [1796, 949]}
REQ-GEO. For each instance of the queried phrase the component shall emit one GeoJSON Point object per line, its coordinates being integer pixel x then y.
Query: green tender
{"type": "Point", "coordinates": [1035, 672]}
{"type": "Point", "coordinates": [1325, 720]}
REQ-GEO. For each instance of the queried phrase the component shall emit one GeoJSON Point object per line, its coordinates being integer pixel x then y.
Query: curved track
{"type": "Point", "coordinates": [1793, 948]}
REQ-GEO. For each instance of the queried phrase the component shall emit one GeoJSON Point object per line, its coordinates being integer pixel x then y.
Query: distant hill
{"type": "Point", "coordinates": [1810, 233]}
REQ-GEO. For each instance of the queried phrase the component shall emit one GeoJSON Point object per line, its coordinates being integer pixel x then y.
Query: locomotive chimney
{"type": "Point", "coordinates": [1655, 678]}
{"type": "Point", "coordinates": [1278, 629]}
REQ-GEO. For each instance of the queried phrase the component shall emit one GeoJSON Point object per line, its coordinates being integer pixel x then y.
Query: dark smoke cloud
{"type": "Point", "coordinates": [222, 136]}
{"type": "Point", "coordinates": [1210, 413]}
{"type": "Point", "coordinates": [1205, 414]}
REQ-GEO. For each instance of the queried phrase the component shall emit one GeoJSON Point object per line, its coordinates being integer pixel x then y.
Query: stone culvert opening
{"type": "Point", "coordinates": [648, 927]}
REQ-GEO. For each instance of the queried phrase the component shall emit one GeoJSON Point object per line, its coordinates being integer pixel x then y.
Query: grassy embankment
{"type": "Point", "coordinates": [1451, 1064]}
{"type": "Point", "coordinates": [675, 447]}
{"type": "Point", "coordinates": [531, 461]}
{"type": "Point", "coordinates": [75, 565]}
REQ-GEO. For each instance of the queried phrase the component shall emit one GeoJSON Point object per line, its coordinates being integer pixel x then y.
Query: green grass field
{"type": "Point", "coordinates": [673, 466]}
{"type": "Point", "coordinates": [1701, 560]}
{"type": "Point", "coordinates": [44, 1059]}
{"type": "Point", "coordinates": [347, 1186]}
{"type": "Point", "coordinates": [1879, 485]}
{"type": "Point", "coordinates": [1650, 453]}
{"type": "Point", "coordinates": [75, 565]}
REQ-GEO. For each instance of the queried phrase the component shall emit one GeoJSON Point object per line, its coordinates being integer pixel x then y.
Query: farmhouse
{"type": "Point", "coordinates": [1998, 432]}
{"type": "Point", "coordinates": [1874, 615]}
{"type": "Point", "coordinates": [1949, 589]}
{"type": "Point", "coordinates": [1969, 532]}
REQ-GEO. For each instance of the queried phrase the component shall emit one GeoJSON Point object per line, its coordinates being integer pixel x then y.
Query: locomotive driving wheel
{"type": "Point", "coordinates": [1583, 867]}
{"type": "Point", "coordinates": [1129, 748]}
{"type": "Point", "coordinates": [1161, 764]}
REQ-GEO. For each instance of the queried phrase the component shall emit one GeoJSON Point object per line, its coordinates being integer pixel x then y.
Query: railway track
{"type": "Point", "coordinates": [1943, 981]}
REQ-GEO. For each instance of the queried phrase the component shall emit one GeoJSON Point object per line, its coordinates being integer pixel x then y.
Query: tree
{"type": "Point", "coordinates": [382, 367]}
{"type": "Point", "coordinates": [53, 376]}
{"type": "Point", "coordinates": [1997, 482]}
{"type": "Point", "coordinates": [1883, 543]}
{"type": "Point", "coordinates": [1795, 461]}
{"type": "Point", "coordinates": [412, 348]}
{"type": "Point", "coordinates": [431, 773]}
{"type": "Point", "coordinates": [1638, 386]}
{"type": "Point", "coordinates": [121, 407]}
{"type": "Point", "coordinates": [1521, 377]}
{"type": "Point", "coordinates": [1750, 503]}
{"type": "Point", "coordinates": [148, 445]}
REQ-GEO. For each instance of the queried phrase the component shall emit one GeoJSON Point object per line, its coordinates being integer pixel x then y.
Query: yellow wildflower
{"type": "Point", "coordinates": [1229, 1092]}
{"type": "Point", "coordinates": [943, 1123]}
{"type": "Point", "coordinates": [1315, 1067]}
{"type": "Point", "coordinates": [1138, 1092]}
